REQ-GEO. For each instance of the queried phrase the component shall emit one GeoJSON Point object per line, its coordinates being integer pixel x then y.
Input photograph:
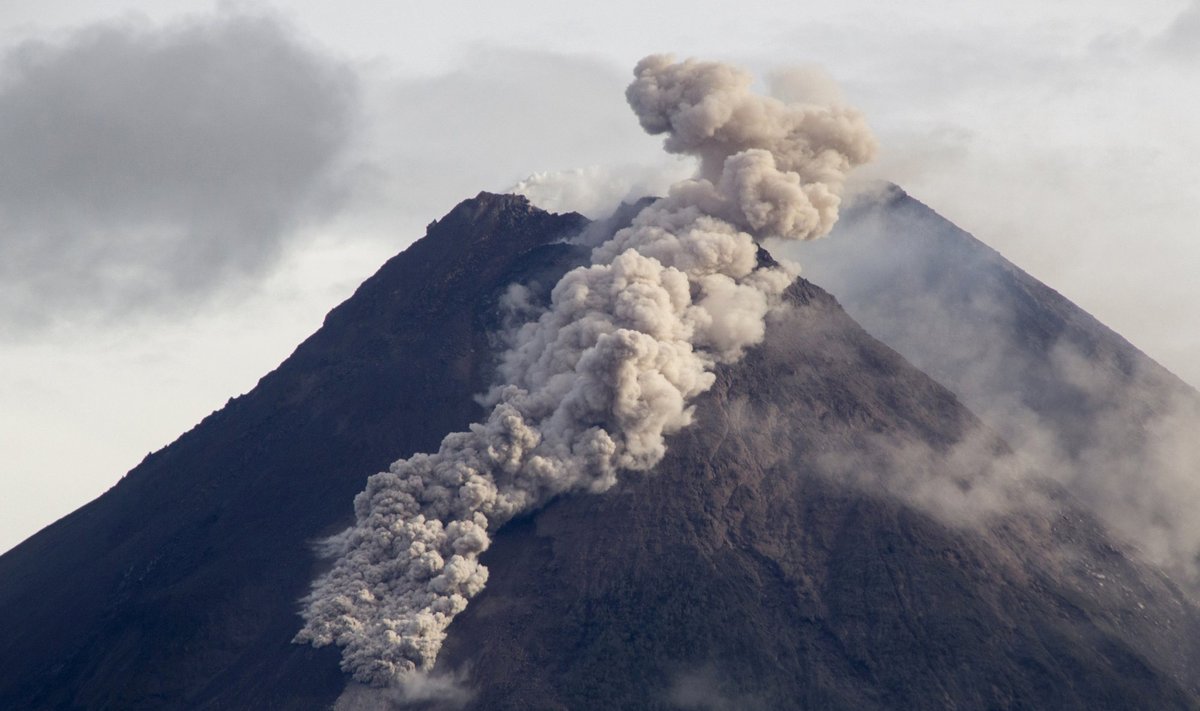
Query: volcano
{"type": "Point", "coordinates": [776, 558]}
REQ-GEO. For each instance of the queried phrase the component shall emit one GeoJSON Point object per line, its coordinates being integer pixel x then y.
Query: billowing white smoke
{"type": "Point", "coordinates": [597, 381]}
{"type": "Point", "coordinates": [597, 191]}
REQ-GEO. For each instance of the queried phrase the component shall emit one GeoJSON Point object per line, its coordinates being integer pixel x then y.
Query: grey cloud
{"type": "Point", "coordinates": [145, 165]}
{"type": "Point", "coordinates": [704, 690]}
{"type": "Point", "coordinates": [1181, 39]}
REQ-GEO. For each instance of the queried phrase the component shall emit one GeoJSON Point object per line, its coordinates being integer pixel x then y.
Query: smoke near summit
{"type": "Point", "coordinates": [920, 455]}
{"type": "Point", "coordinates": [1080, 404]}
{"type": "Point", "coordinates": [596, 382]}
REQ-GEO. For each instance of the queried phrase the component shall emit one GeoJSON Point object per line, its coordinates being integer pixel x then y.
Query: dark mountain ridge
{"type": "Point", "coordinates": [178, 587]}
{"type": "Point", "coordinates": [741, 572]}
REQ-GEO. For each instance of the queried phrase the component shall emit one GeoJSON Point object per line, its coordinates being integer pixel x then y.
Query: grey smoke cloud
{"type": "Point", "coordinates": [805, 85]}
{"type": "Point", "coordinates": [420, 690]}
{"type": "Point", "coordinates": [597, 190]}
{"type": "Point", "coordinates": [596, 382]}
{"type": "Point", "coordinates": [708, 110]}
{"type": "Point", "coordinates": [702, 690]}
{"type": "Point", "coordinates": [145, 166]}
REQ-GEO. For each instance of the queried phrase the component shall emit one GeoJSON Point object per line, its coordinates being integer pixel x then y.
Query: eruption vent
{"type": "Point", "coordinates": [606, 372]}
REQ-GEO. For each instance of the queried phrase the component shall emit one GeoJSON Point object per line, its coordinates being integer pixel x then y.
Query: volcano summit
{"type": "Point", "coordinates": [695, 483]}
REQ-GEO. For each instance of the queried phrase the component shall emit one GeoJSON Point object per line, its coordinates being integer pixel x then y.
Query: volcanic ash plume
{"type": "Point", "coordinates": [594, 384]}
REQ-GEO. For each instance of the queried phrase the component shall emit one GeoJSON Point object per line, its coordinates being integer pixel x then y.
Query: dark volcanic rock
{"type": "Point", "coordinates": [178, 588]}
{"type": "Point", "coordinates": [737, 578]}
{"type": "Point", "coordinates": [740, 574]}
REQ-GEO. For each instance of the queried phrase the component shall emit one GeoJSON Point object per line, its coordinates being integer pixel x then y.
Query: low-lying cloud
{"type": "Point", "coordinates": [703, 690]}
{"type": "Point", "coordinates": [421, 690]}
{"type": "Point", "coordinates": [1077, 405]}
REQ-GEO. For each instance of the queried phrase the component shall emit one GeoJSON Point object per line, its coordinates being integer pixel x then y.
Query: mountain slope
{"type": "Point", "coordinates": [178, 588]}
{"type": "Point", "coordinates": [741, 574]}
{"type": "Point", "coordinates": [1113, 426]}
{"type": "Point", "coordinates": [774, 558]}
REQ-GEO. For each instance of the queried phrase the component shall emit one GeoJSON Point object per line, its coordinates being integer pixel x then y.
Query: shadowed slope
{"type": "Point", "coordinates": [1111, 425]}
{"type": "Point", "coordinates": [740, 576]}
{"type": "Point", "coordinates": [178, 587]}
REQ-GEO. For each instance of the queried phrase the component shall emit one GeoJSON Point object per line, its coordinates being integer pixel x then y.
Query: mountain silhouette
{"type": "Point", "coordinates": [774, 559]}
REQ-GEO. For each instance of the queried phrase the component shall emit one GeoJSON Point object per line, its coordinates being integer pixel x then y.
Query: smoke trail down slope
{"type": "Point", "coordinates": [597, 381]}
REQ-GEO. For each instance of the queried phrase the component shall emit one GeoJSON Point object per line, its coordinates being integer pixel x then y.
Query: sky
{"type": "Point", "coordinates": [188, 187]}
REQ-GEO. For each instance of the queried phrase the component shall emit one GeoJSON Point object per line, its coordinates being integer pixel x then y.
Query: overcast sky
{"type": "Point", "coordinates": [186, 188]}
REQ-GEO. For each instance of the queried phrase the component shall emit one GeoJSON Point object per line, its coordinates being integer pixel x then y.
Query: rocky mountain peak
{"type": "Point", "coordinates": [777, 558]}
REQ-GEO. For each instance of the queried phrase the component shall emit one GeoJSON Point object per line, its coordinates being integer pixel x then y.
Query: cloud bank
{"type": "Point", "coordinates": [145, 166]}
{"type": "Point", "coordinates": [597, 381]}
